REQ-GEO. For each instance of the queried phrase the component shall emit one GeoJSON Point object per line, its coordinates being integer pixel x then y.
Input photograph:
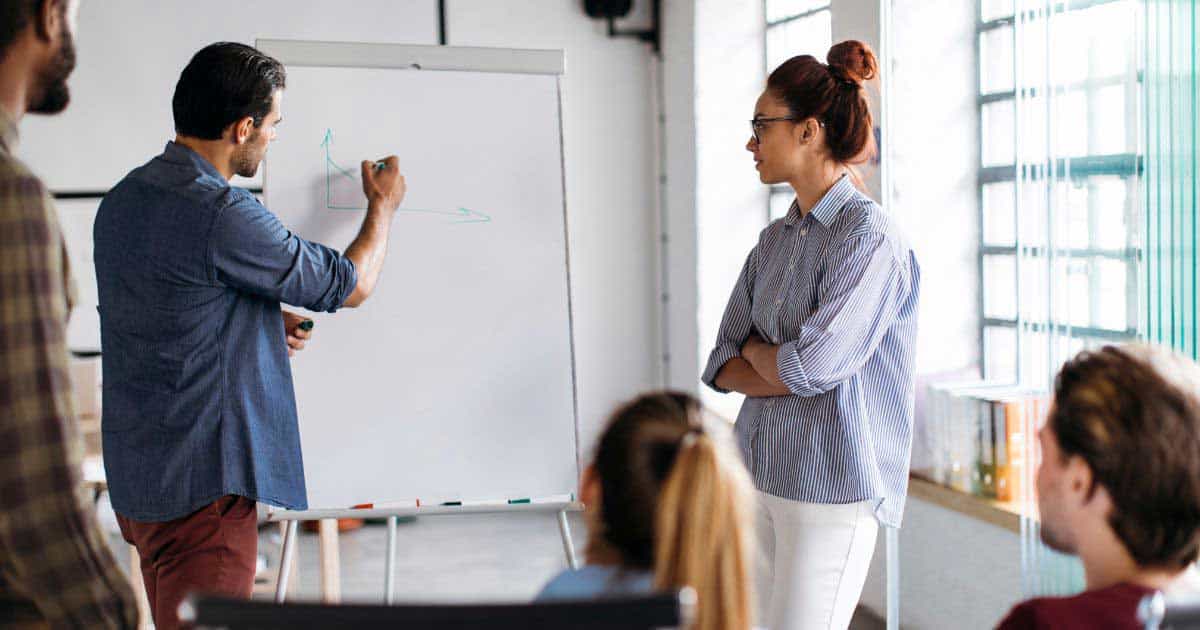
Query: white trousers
{"type": "Point", "coordinates": [814, 561]}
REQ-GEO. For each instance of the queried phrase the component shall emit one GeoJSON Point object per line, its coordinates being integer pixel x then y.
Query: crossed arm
{"type": "Point", "coordinates": [754, 372]}
{"type": "Point", "coordinates": [860, 297]}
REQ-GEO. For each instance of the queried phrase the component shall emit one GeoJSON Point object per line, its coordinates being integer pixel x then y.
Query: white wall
{"type": "Point", "coordinates": [678, 73]}
{"type": "Point", "coordinates": [934, 157]}
{"type": "Point", "coordinates": [132, 51]}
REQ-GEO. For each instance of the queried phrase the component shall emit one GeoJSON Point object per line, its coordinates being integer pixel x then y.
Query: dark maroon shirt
{"type": "Point", "coordinates": [1114, 607]}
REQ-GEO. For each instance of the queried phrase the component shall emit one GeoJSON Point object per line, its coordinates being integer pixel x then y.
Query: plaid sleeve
{"type": "Point", "coordinates": [51, 546]}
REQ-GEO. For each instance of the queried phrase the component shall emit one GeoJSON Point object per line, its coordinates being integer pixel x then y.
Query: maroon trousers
{"type": "Point", "coordinates": [212, 550]}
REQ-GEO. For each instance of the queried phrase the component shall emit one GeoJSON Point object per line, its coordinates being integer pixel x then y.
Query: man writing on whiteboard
{"type": "Point", "coordinates": [199, 416]}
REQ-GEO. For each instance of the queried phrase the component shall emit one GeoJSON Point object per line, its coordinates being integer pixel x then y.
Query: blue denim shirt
{"type": "Point", "coordinates": [198, 400]}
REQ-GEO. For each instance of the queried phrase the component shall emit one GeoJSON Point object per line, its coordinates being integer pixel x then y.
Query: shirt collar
{"type": "Point", "coordinates": [8, 131]}
{"type": "Point", "coordinates": [176, 153]}
{"type": "Point", "coordinates": [828, 207]}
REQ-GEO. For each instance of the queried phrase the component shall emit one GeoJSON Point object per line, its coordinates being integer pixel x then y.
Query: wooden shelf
{"type": "Point", "coordinates": [1000, 514]}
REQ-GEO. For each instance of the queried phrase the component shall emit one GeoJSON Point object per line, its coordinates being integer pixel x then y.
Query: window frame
{"type": "Point", "coordinates": [1081, 169]}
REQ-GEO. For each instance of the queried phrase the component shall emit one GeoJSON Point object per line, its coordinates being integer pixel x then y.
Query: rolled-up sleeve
{"type": "Point", "coordinates": [735, 325]}
{"type": "Point", "coordinates": [251, 250]}
{"type": "Point", "coordinates": [858, 301]}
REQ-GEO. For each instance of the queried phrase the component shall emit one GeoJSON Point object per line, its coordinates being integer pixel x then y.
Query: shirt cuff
{"type": "Point", "coordinates": [791, 370]}
{"type": "Point", "coordinates": [717, 360]}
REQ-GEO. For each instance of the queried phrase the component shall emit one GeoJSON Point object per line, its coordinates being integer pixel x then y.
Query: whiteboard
{"type": "Point", "coordinates": [455, 380]}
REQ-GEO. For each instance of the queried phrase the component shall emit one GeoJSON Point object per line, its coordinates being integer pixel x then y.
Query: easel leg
{"type": "Point", "coordinates": [568, 547]}
{"type": "Point", "coordinates": [389, 576]}
{"type": "Point", "coordinates": [331, 578]}
{"type": "Point", "coordinates": [285, 559]}
{"type": "Point", "coordinates": [893, 577]}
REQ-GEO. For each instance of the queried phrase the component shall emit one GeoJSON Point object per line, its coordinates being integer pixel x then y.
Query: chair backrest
{"type": "Point", "coordinates": [667, 610]}
{"type": "Point", "coordinates": [1177, 611]}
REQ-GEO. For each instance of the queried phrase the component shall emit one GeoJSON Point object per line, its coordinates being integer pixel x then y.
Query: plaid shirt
{"type": "Point", "coordinates": [52, 551]}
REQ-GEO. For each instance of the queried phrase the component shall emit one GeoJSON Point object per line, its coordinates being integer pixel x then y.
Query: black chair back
{"type": "Point", "coordinates": [669, 610]}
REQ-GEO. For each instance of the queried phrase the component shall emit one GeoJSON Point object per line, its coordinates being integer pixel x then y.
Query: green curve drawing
{"type": "Point", "coordinates": [333, 169]}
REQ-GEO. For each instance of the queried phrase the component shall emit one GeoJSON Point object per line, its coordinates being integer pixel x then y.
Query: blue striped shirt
{"type": "Point", "coordinates": [837, 291]}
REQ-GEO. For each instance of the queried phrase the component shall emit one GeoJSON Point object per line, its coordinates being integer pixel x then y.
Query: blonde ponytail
{"type": "Point", "coordinates": [703, 535]}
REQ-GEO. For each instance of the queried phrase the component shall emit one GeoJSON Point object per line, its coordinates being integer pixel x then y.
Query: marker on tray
{"type": "Point", "coordinates": [386, 504]}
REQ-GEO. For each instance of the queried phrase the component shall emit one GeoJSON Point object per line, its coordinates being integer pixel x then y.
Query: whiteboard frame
{"type": "Point", "coordinates": [296, 52]}
{"type": "Point", "coordinates": [308, 53]}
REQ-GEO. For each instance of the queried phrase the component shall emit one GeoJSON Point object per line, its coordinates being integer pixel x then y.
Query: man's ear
{"type": "Point", "coordinates": [1080, 482]}
{"type": "Point", "coordinates": [589, 487]}
{"type": "Point", "coordinates": [242, 129]}
{"type": "Point", "coordinates": [49, 21]}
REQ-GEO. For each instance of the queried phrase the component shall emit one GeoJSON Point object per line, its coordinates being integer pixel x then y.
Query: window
{"type": "Point", "coordinates": [797, 27]}
{"type": "Point", "coordinates": [794, 27]}
{"type": "Point", "coordinates": [1058, 176]}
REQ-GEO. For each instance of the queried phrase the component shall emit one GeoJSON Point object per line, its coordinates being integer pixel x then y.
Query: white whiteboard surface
{"type": "Point", "coordinates": [455, 380]}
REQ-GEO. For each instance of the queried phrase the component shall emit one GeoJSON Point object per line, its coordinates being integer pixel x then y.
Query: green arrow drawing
{"type": "Point", "coordinates": [332, 168]}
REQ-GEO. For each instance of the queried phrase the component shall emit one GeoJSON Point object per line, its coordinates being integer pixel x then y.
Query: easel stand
{"type": "Point", "coordinates": [292, 519]}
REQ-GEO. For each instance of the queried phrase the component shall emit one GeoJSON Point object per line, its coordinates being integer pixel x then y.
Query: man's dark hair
{"type": "Point", "coordinates": [15, 16]}
{"type": "Point", "coordinates": [224, 83]}
{"type": "Point", "coordinates": [1133, 414]}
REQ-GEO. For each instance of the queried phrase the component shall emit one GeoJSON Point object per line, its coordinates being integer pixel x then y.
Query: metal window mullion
{"type": "Point", "coordinates": [1033, 251]}
{"type": "Point", "coordinates": [1089, 332]}
{"type": "Point", "coordinates": [985, 360]}
{"type": "Point", "coordinates": [1119, 164]}
{"type": "Point", "coordinates": [1090, 90]}
{"type": "Point", "coordinates": [1000, 22]}
{"type": "Point", "coordinates": [1089, 83]}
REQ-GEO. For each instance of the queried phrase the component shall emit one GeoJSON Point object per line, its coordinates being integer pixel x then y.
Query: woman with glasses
{"type": "Point", "coordinates": [819, 335]}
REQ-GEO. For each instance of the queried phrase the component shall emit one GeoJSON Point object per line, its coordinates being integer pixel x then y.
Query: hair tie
{"type": "Point", "coordinates": [841, 76]}
{"type": "Point", "coordinates": [690, 437]}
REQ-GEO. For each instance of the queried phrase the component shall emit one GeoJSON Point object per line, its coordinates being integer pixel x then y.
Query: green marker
{"type": "Point", "coordinates": [380, 165]}
{"type": "Point", "coordinates": [306, 325]}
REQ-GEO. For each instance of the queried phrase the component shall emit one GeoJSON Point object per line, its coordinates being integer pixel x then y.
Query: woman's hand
{"type": "Point", "coordinates": [738, 375]}
{"type": "Point", "coordinates": [763, 357]}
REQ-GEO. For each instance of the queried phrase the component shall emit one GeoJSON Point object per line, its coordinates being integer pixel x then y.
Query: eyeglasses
{"type": "Point", "coordinates": [758, 124]}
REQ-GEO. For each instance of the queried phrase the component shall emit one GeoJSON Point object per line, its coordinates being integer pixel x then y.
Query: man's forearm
{"type": "Point", "coordinates": [368, 251]}
{"type": "Point", "coordinates": [738, 375]}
